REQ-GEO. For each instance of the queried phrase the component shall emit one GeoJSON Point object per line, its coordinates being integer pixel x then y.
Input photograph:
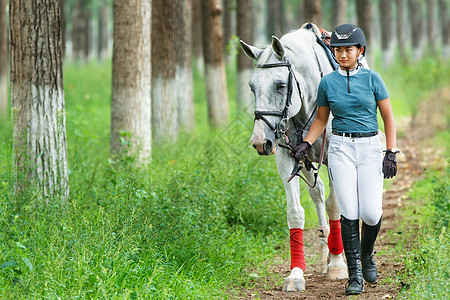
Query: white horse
{"type": "Point", "coordinates": [285, 87]}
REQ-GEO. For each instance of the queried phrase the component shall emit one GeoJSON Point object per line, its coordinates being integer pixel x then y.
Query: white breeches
{"type": "Point", "coordinates": [355, 168]}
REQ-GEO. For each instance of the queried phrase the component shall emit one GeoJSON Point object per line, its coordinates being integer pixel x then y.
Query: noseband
{"type": "Point", "coordinates": [280, 129]}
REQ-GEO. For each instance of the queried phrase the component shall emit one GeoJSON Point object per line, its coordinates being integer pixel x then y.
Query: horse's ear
{"type": "Point", "coordinates": [250, 51]}
{"type": "Point", "coordinates": [277, 47]}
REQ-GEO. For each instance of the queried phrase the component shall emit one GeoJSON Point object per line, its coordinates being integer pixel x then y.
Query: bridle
{"type": "Point", "coordinates": [281, 127]}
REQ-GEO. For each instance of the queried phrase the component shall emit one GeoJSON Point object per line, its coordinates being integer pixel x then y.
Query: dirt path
{"type": "Point", "coordinates": [431, 118]}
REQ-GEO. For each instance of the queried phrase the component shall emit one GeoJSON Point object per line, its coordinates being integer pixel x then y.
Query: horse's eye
{"type": "Point", "coordinates": [281, 85]}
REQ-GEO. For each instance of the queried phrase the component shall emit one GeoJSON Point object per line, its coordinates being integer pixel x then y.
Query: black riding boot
{"type": "Point", "coordinates": [368, 236]}
{"type": "Point", "coordinates": [350, 240]}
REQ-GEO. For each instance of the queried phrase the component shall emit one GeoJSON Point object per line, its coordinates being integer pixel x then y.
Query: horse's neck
{"type": "Point", "coordinates": [309, 85]}
{"type": "Point", "coordinates": [309, 102]}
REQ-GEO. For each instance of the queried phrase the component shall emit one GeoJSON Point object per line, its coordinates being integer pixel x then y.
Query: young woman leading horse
{"type": "Point", "coordinates": [285, 84]}
{"type": "Point", "coordinates": [355, 154]}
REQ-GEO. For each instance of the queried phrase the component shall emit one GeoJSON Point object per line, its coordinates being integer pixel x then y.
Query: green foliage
{"type": "Point", "coordinates": [426, 275]}
{"type": "Point", "coordinates": [411, 84]}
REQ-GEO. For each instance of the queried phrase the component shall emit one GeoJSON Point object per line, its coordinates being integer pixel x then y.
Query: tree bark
{"type": "Point", "coordinates": [164, 86]}
{"type": "Point", "coordinates": [197, 49]}
{"type": "Point", "coordinates": [131, 71]}
{"type": "Point", "coordinates": [3, 60]}
{"type": "Point", "coordinates": [228, 16]}
{"type": "Point", "coordinates": [215, 76]}
{"type": "Point", "coordinates": [259, 22]}
{"type": "Point", "coordinates": [86, 34]}
{"type": "Point", "coordinates": [102, 50]}
{"type": "Point", "coordinates": [364, 13]}
{"type": "Point", "coordinates": [339, 12]}
{"type": "Point", "coordinates": [445, 27]}
{"type": "Point", "coordinates": [275, 19]}
{"type": "Point", "coordinates": [431, 28]}
{"type": "Point", "coordinates": [183, 78]}
{"type": "Point", "coordinates": [77, 30]}
{"type": "Point", "coordinates": [313, 11]}
{"type": "Point", "coordinates": [401, 28]}
{"type": "Point", "coordinates": [386, 31]}
{"type": "Point", "coordinates": [245, 65]}
{"type": "Point", "coordinates": [62, 14]}
{"type": "Point", "coordinates": [38, 113]}
{"type": "Point", "coordinates": [415, 12]}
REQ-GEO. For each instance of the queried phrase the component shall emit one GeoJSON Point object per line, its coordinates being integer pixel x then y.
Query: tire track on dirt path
{"type": "Point", "coordinates": [415, 134]}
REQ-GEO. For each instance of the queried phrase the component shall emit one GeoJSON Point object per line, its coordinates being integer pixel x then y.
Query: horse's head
{"type": "Point", "coordinates": [276, 90]}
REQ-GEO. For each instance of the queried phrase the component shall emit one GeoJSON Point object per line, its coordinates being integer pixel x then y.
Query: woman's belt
{"type": "Point", "coordinates": [356, 134]}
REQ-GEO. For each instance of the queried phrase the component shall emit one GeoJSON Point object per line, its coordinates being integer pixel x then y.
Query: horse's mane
{"type": "Point", "coordinates": [294, 43]}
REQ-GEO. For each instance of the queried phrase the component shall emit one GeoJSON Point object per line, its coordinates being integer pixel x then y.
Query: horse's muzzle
{"type": "Point", "coordinates": [266, 148]}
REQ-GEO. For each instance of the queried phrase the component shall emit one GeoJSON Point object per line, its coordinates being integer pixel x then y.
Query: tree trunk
{"type": "Point", "coordinates": [183, 79]}
{"type": "Point", "coordinates": [164, 85]}
{"type": "Point", "coordinates": [445, 27]}
{"type": "Point", "coordinates": [86, 38]}
{"type": "Point", "coordinates": [339, 12]}
{"type": "Point", "coordinates": [386, 31]}
{"type": "Point", "coordinates": [313, 11]}
{"type": "Point", "coordinates": [300, 14]}
{"type": "Point", "coordinates": [415, 12]}
{"type": "Point", "coordinates": [364, 13]}
{"type": "Point", "coordinates": [259, 22]}
{"type": "Point", "coordinates": [102, 51]}
{"type": "Point", "coordinates": [431, 28]}
{"type": "Point", "coordinates": [401, 28]}
{"type": "Point", "coordinates": [245, 65]}
{"type": "Point", "coordinates": [215, 76]}
{"type": "Point", "coordinates": [37, 96]}
{"type": "Point", "coordinates": [131, 71]}
{"type": "Point", "coordinates": [62, 14]}
{"type": "Point", "coordinates": [228, 17]}
{"type": "Point", "coordinates": [275, 19]}
{"type": "Point", "coordinates": [197, 49]}
{"type": "Point", "coordinates": [77, 31]}
{"type": "Point", "coordinates": [3, 60]}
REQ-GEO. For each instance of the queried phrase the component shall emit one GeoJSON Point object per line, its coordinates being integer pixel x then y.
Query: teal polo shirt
{"type": "Point", "coordinates": [355, 111]}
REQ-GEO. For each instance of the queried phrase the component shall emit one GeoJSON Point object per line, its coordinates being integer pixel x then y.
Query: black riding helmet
{"type": "Point", "coordinates": [348, 35]}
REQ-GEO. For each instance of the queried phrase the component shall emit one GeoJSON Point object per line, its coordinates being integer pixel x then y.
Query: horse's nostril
{"type": "Point", "coordinates": [254, 146]}
{"type": "Point", "coordinates": [268, 146]}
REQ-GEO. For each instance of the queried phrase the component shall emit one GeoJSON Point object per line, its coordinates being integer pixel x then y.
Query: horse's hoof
{"type": "Point", "coordinates": [294, 285]}
{"type": "Point", "coordinates": [337, 273]}
{"type": "Point", "coordinates": [337, 269]}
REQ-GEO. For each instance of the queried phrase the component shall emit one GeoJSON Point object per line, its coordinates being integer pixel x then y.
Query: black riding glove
{"type": "Point", "coordinates": [300, 150]}
{"type": "Point", "coordinates": [390, 164]}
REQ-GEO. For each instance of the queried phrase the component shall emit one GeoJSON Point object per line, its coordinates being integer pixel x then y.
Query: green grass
{"type": "Point", "coordinates": [207, 213]}
{"type": "Point", "coordinates": [411, 84]}
{"type": "Point", "coordinates": [426, 275]}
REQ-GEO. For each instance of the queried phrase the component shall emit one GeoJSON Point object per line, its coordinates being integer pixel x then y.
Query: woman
{"type": "Point", "coordinates": [355, 154]}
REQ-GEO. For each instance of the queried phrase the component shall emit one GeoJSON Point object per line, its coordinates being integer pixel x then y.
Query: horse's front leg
{"type": "Point", "coordinates": [296, 221]}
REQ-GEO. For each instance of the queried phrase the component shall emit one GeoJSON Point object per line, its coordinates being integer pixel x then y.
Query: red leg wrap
{"type": "Point", "coordinates": [297, 254]}
{"type": "Point", "coordinates": [334, 239]}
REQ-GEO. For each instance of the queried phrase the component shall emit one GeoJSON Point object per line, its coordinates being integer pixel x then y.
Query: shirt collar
{"type": "Point", "coordinates": [350, 73]}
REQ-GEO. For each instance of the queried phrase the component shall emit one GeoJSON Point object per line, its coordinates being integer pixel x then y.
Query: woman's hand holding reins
{"type": "Point", "coordinates": [300, 150]}
{"type": "Point", "coordinates": [390, 164]}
